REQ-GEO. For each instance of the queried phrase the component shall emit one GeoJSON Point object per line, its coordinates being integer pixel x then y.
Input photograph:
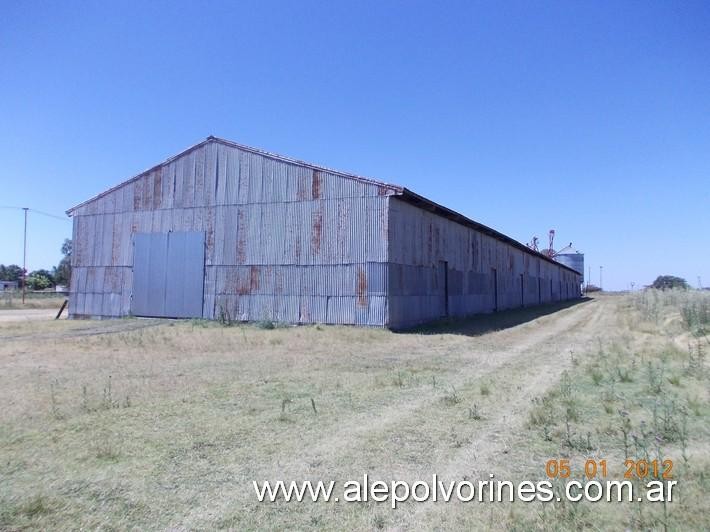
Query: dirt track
{"type": "Point", "coordinates": [395, 405]}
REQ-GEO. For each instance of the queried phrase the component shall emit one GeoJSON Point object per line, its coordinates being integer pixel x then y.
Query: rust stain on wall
{"type": "Point", "coordinates": [241, 236]}
{"type": "Point", "coordinates": [278, 281]}
{"type": "Point", "coordinates": [209, 235]}
{"type": "Point", "coordinates": [254, 279]}
{"type": "Point", "coordinates": [316, 184]}
{"type": "Point", "coordinates": [430, 242]}
{"type": "Point", "coordinates": [137, 194]}
{"type": "Point", "coordinates": [116, 244]}
{"type": "Point", "coordinates": [231, 281]}
{"type": "Point", "coordinates": [146, 200]}
{"type": "Point", "coordinates": [361, 287]}
{"type": "Point", "coordinates": [158, 189]}
{"type": "Point", "coordinates": [243, 286]}
{"type": "Point", "coordinates": [302, 187]}
{"type": "Point", "coordinates": [317, 232]}
{"type": "Point", "coordinates": [341, 229]}
{"type": "Point", "coordinates": [304, 312]}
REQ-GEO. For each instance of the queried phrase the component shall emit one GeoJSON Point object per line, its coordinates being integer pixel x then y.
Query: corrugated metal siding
{"type": "Point", "coordinates": [419, 240]}
{"type": "Point", "coordinates": [282, 241]}
{"type": "Point", "coordinates": [291, 242]}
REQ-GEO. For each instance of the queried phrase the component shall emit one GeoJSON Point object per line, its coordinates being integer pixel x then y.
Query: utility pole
{"type": "Point", "coordinates": [600, 278]}
{"type": "Point", "coordinates": [589, 277]}
{"type": "Point", "coordinates": [24, 259]}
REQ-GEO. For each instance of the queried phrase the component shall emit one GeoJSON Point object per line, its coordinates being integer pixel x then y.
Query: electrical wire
{"type": "Point", "coordinates": [63, 218]}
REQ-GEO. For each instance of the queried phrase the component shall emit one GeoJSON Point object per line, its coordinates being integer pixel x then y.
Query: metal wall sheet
{"type": "Point", "coordinates": [296, 243]}
{"type": "Point", "coordinates": [418, 240]}
{"type": "Point", "coordinates": [185, 285]}
{"type": "Point", "coordinates": [168, 274]}
{"type": "Point", "coordinates": [149, 254]}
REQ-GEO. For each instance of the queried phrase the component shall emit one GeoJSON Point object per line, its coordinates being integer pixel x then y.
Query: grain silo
{"type": "Point", "coordinates": [572, 259]}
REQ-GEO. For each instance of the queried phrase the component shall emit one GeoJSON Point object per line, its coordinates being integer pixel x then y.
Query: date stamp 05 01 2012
{"type": "Point", "coordinates": [641, 469]}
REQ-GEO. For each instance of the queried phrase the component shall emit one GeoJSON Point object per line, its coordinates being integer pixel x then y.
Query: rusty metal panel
{"type": "Point", "coordinates": [78, 280]}
{"type": "Point", "coordinates": [200, 198]}
{"type": "Point", "coordinates": [295, 237]}
{"type": "Point", "coordinates": [286, 309]}
{"type": "Point", "coordinates": [126, 290]}
{"type": "Point", "coordinates": [89, 304]}
{"type": "Point", "coordinates": [418, 238]}
{"type": "Point", "coordinates": [208, 221]}
{"type": "Point", "coordinates": [220, 215]}
{"type": "Point", "coordinates": [99, 277]}
{"type": "Point", "coordinates": [340, 310]}
{"type": "Point", "coordinates": [188, 180]}
{"type": "Point", "coordinates": [228, 189]}
{"type": "Point", "coordinates": [110, 305]}
{"type": "Point", "coordinates": [379, 313]}
{"type": "Point", "coordinates": [210, 178]}
{"type": "Point", "coordinates": [94, 230]}
{"type": "Point", "coordinates": [72, 304]}
{"type": "Point", "coordinates": [90, 276]}
{"type": "Point", "coordinates": [80, 308]}
{"type": "Point", "coordinates": [208, 309]}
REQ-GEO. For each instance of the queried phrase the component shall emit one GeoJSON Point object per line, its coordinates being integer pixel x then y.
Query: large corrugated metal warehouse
{"type": "Point", "coordinates": [222, 229]}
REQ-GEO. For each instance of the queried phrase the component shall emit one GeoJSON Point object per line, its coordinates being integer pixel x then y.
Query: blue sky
{"type": "Point", "coordinates": [592, 118]}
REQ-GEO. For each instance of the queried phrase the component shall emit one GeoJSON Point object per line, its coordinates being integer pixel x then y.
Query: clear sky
{"type": "Point", "coordinates": [592, 118]}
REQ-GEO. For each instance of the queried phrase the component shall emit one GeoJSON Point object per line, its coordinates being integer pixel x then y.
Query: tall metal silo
{"type": "Point", "coordinates": [574, 260]}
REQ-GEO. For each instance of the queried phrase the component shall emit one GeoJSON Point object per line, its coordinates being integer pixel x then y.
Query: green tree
{"type": "Point", "coordinates": [667, 282]}
{"type": "Point", "coordinates": [67, 247]}
{"type": "Point", "coordinates": [62, 272]}
{"type": "Point", "coordinates": [11, 272]}
{"type": "Point", "coordinates": [39, 280]}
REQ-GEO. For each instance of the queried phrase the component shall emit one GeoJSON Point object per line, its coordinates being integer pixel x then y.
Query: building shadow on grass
{"type": "Point", "coordinates": [479, 324]}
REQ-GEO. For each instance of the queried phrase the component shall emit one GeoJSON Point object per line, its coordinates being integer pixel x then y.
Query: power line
{"type": "Point", "coordinates": [64, 218]}
{"type": "Point", "coordinates": [51, 215]}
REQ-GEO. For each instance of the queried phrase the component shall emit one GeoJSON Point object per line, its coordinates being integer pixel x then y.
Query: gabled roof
{"type": "Point", "coordinates": [366, 180]}
{"type": "Point", "coordinates": [397, 190]}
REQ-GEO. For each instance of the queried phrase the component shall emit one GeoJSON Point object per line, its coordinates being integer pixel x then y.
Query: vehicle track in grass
{"type": "Point", "coordinates": [507, 356]}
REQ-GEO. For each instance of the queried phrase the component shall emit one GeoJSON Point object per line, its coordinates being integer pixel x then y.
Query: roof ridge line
{"type": "Point", "coordinates": [398, 189]}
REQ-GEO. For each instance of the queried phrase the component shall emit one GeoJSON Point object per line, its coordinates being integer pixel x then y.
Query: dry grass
{"type": "Point", "coordinates": [13, 300]}
{"type": "Point", "coordinates": [150, 424]}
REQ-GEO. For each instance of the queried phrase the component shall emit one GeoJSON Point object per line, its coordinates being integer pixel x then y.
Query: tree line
{"type": "Point", "coordinates": [42, 279]}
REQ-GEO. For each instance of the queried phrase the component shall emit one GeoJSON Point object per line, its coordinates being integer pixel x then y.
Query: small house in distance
{"type": "Point", "coordinates": [223, 229]}
{"type": "Point", "coordinates": [8, 286]}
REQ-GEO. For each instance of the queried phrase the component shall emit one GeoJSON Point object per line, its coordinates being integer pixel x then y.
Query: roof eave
{"type": "Point", "coordinates": [427, 204]}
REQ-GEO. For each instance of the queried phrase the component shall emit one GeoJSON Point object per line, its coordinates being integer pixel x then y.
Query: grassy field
{"type": "Point", "coordinates": [150, 424]}
{"type": "Point", "coordinates": [33, 300]}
